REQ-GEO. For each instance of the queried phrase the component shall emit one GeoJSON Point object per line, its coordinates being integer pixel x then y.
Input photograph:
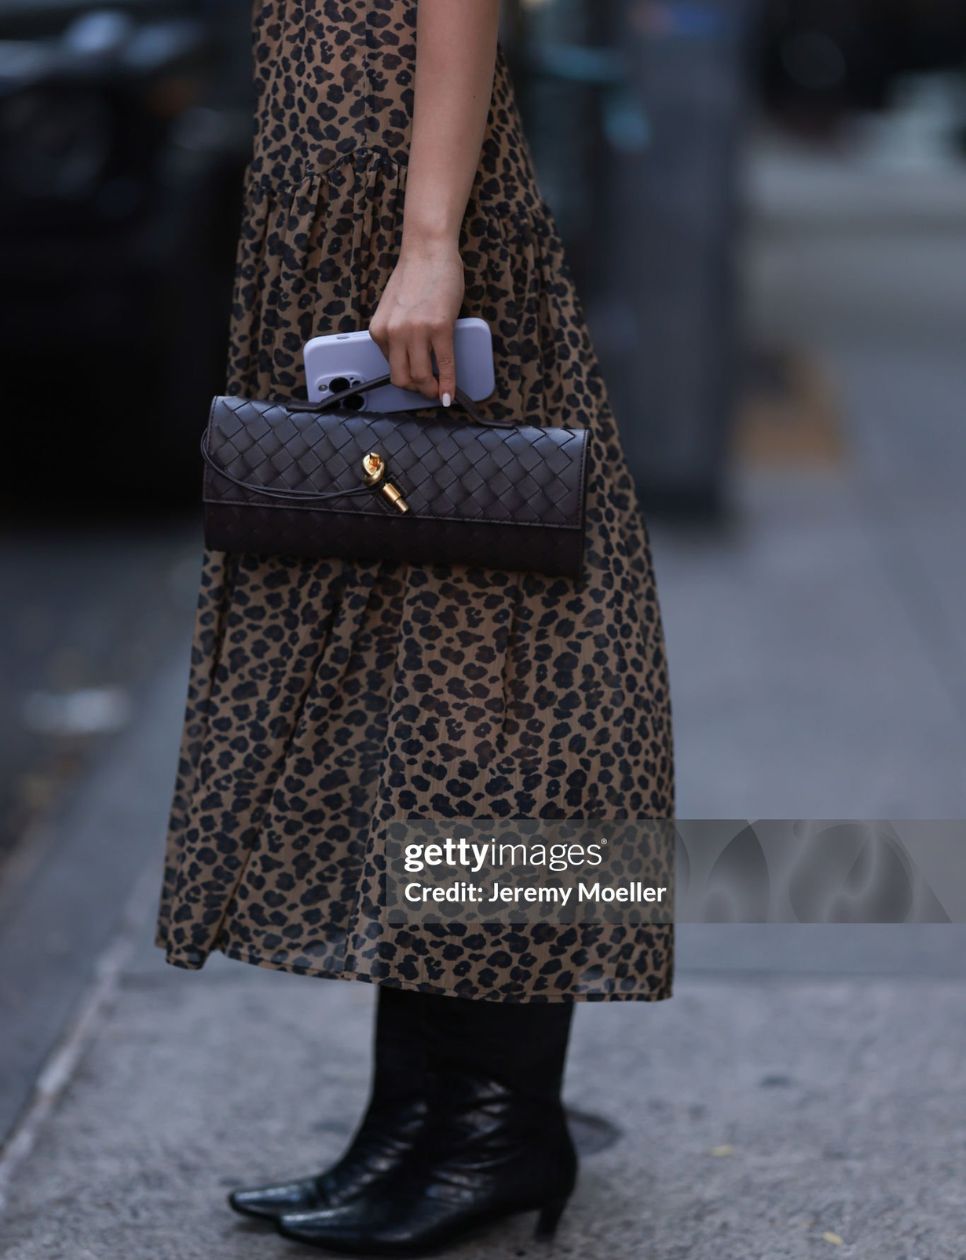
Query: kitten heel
{"type": "Point", "coordinates": [549, 1217]}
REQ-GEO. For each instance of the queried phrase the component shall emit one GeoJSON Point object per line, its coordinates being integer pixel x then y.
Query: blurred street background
{"type": "Point", "coordinates": [765, 206]}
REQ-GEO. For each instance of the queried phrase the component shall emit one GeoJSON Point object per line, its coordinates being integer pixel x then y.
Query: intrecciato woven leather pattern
{"type": "Point", "coordinates": [510, 497]}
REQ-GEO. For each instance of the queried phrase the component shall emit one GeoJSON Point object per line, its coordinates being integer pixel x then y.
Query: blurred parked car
{"type": "Point", "coordinates": [822, 58]}
{"type": "Point", "coordinates": [118, 202]}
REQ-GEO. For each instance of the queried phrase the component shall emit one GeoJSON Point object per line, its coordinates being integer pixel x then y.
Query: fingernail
{"type": "Point", "coordinates": [447, 400]}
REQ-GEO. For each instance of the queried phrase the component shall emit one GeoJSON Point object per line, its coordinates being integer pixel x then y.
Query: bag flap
{"type": "Point", "coordinates": [521, 475]}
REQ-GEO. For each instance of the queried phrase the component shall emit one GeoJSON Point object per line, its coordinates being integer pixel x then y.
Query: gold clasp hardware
{"type": "Point", "coordinates": [374, 474]}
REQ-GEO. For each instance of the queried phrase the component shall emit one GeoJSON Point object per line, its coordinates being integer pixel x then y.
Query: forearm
{"type": "Point", "coordinates": [455, 59]}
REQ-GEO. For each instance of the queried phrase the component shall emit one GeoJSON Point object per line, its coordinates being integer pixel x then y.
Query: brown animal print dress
{"type": "Point", "coordinates": [325, 695]}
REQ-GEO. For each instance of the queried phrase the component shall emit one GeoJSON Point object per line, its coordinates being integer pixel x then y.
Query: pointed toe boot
{"type": "Point", "coordinates": [394, 1119]}
{"type": "Point", "coordinates": [489, 1160]}
{"type": "Point", "coordinates": [384, 1139]}
{"type": "Point", "coordinates": [495, 1144]}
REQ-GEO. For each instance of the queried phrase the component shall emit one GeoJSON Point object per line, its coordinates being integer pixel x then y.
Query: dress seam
{"type": "Point", "coordinates": [302, 174]}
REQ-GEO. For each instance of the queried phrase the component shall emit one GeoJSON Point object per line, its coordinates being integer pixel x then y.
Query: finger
{"type": "Point", "coordinates": [421, 366]}
{"type": "Point", "coordinates": [399, 364]}
{"type": "Point", "coordinates": [445, 364]}
{"type": "Point", "coordinates": [378, 333]}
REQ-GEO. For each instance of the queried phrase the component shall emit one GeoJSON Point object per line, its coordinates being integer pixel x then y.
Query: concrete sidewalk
{"type": "Point", "coordinates": [752, 1116]}
{"type": "Point", "coordinates": [805, 1085]}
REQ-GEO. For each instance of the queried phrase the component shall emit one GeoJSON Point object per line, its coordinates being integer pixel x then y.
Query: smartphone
{"type": "Point", "coordinates": [340, 360]}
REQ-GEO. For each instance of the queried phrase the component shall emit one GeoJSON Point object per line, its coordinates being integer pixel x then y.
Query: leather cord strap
{"type": "Point", "coordinates": [464, 400]}
{"type": "Point", "coordinates": [290, 496]}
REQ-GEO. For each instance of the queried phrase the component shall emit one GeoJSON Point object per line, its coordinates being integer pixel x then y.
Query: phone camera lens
{"type": "Point", "coordinates": [338, 384]}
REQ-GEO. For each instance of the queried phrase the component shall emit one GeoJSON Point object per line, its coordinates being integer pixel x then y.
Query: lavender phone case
{"type": "Point", "coordinates": [342, 359]}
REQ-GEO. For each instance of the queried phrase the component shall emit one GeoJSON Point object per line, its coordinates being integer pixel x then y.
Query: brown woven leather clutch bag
{"type": "Point", "coordinates": [321, 479]}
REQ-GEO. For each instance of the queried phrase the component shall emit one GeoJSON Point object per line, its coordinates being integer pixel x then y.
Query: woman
{"type": "Point", "coordinates": [391, 187]}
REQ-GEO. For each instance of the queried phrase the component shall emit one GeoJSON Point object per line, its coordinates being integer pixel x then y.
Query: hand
{"type": "Point", "coordinates": [415, 318]}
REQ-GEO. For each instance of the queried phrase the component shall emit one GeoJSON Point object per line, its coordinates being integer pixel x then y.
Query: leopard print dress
{"type": "Point", "coordinates": [324, 695]}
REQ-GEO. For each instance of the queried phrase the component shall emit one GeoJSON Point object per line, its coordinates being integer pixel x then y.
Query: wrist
{"type": "Point", "coordinates": [430, 240]}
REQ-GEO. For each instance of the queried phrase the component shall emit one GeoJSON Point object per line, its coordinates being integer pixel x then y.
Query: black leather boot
{"type": "Point", "coordinates": [496, 1142]}
{"type": "Point", "coordinates": [394, 1118]}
